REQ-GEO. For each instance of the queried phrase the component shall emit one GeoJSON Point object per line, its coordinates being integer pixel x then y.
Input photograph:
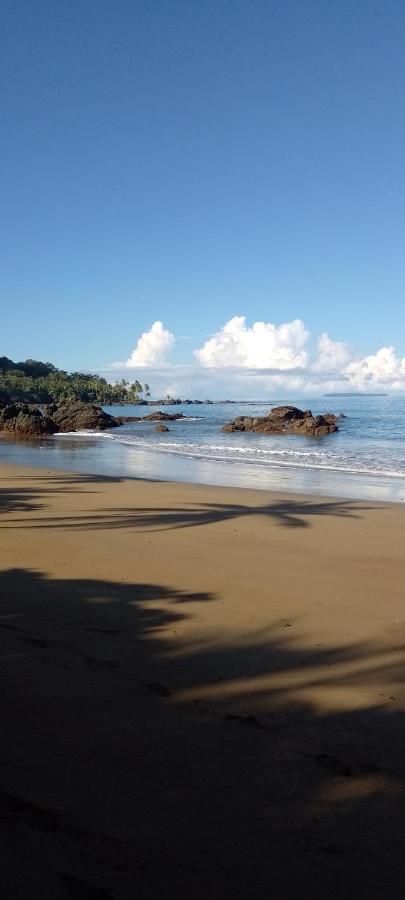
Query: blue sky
{"type": "Point", "coordinates": [190, 163]}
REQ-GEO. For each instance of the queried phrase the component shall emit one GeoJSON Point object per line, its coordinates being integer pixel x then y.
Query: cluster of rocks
{"type": "Point", "coordinates": [286, 420]}
{"type": "Point", "coordinates": [75, 415]}
{"type": "Point", "coordinates": [175, 401]}
{"type": "Point", "coordinates": [69, 415]}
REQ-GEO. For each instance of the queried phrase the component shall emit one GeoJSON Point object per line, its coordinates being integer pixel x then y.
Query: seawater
{"type": "Point", "coordinates": [366, 458]}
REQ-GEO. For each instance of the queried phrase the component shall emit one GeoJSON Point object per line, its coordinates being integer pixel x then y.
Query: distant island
{"type": "Point", "coordinates": [355, 394]}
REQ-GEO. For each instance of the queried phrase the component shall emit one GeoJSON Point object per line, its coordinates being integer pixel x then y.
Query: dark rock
{"type": "Point", "coordinates": [163, 417]}
{"type": "Point", "coordinates": [331, 417]}
{"type": "Point", "coordinates": [10, 411]}
{"type": "Point", "coordinates": [122, 420]}
{"type": "Point", "coordinates": [316, 425]}
{"type": "Point", "coordinates": [29, 423]}
{"type": "Point", "coordinates": [241, 423]}
{"type": "Point", "coordinates": [75, 415]}
{"type": "Point", "coordinates": [285, 420]}
{"type": "Point", "coordinates": [161, 427]}
{"type": "Point", "coordinates": [288, 413]}
{"type": "Point", "coordinates": [19, 418]}
{"type": "Point", "coordinates": [151, 417]}
{"type": "Point", "coordinates": [68, 415]}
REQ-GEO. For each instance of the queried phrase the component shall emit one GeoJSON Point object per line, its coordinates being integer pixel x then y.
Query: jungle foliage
{"type": "Point", "coordinates": [33, 381]}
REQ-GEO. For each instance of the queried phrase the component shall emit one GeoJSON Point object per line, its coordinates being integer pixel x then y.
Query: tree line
{"type": "Point", "coordinates": [33, 381]}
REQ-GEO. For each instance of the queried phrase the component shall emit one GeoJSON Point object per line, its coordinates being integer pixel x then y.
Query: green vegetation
{"type": "Point", "coordinates": [37, 382]}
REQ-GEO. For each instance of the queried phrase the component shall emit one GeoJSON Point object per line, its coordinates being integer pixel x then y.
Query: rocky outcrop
{"type": "Point", "coordinates": [161, 427]}
{"type": "Point", "coordinates": [19, 418]}
{"type": "Point", "coordinates": [151, 417]}
{"type": "Point", "coordinates": [123, 420]}
{"type": "Point", "coordinates": [163, 417]}
{"type": "Point", "coordinates": [69, 415]}
{"type": "Point", "coordinates": [75, 415]}
{"type": "Point", "coordinates": [24, 419]}
{"type": "Point", "coordinates": [286, 420]}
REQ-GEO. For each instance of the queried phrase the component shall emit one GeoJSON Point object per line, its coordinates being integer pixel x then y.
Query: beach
{"type": "Point", "coordinates": [365, 459]}
{"type": "Point", "coordinates": [203, 690]}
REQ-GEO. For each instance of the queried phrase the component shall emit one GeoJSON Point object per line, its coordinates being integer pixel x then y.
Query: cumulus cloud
{"type": "Point", "coordinates": [152, 347]}
{"type": "Point", "coordinates": [262, 359]}
{"type": "Point", "coordinates": [340, 369]}
{"type": "Point", "coordinates": [263, 346]}
{"type": "Point", "coordinates": [384, 369]}
{"type": "Point", "coordinates": [333, 356]}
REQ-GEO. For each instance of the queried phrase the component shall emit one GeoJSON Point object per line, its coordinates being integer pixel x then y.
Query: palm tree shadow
{"type": "Point", "coordinates": [286, 513]}
{"type": "Point", "coordinates": [28, 498]}
{"type": "Point", "coordinates": [222, 751]}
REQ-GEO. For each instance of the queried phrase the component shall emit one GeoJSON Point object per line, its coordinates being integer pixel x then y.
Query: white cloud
{"type": "Point", "coordinates": [261, 360]}
{"type": "Point", "coordinates": [263, 346]}
{"type": "Point", "coordinates": [333, 356]}
{"type": "Point", "coordinates": [152, 347]}
{"type": "Point", "coordinates": [384, 369]}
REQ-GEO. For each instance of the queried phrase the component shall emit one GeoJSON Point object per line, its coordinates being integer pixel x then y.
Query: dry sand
{"type": "Point", "coordinates": [202, 692]}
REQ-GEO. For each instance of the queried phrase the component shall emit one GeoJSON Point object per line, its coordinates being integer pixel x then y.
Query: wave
{"type": "Point", "coordinates": [261, 457]}
{"type": "Point", "coordinates": [265, 458]}
{"type": "Point", "coordinates": [83, 433]}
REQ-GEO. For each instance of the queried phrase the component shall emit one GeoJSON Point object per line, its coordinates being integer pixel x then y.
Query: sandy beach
{"type": "Point", "coordinates": [202, 691]}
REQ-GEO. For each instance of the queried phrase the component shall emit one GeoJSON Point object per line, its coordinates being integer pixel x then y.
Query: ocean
{"type": "Point", "coordinates": [365, 459]}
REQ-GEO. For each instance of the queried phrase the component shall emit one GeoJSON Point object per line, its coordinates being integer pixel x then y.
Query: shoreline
{"type": "Point", "coordinates": [203, 690]}
{"type": "Point", "coordinates": [31, 471]}
{"type": "Point", "coordinates": [121, 459]}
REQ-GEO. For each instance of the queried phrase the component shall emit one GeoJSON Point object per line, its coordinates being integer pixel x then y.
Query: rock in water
{"type": "Point", "coordinates": [151, 417]}
{"type": "Point", "coordinates": [123, 420]}
{"type": "Point", "coordinates": [161, 427]}
{"type": "Point", "coordinates": [286, 420]}
{"type": "Point", "coordinates": [75, 415]}
{"type": "Point", "coordinates": [69, 415]}
{"type": "Point", "coordinates": [163, 417]}
{"type": "Point", "coordinates": [19, 418]}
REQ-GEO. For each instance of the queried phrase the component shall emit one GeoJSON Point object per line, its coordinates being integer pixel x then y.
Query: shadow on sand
{"type": "Point", "coordinates": [129, 769]}
{"type": "Point", "coordinates": [288, 513]}
{"type": "Point", "coordinates": [26, 498]}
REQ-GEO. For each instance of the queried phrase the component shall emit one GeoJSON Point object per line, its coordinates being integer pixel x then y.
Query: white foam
{"type": "Point", "coordinates": [300, 459]}
{"type": "Point", "coordinates": [83, 433]}
{"type": "Point", "coordinates": [337, 459]}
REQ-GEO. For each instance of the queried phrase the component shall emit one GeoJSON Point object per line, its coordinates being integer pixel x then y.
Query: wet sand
{"type": "Point", "coordinates": [202, 691]}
